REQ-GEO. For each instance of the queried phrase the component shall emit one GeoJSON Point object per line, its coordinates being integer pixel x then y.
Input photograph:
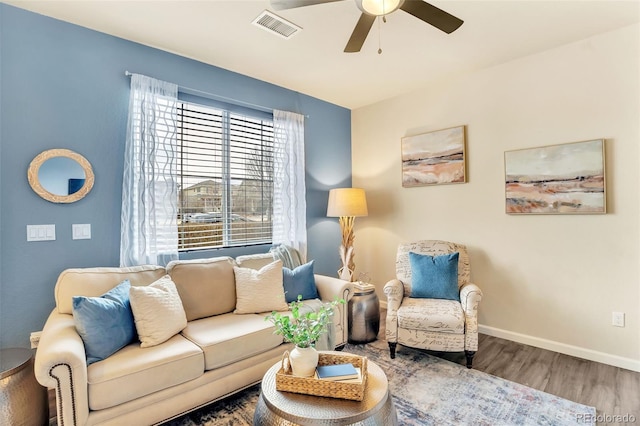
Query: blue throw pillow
{"type": "Point", "coordinates": [299, 281]}
{"type": "Point", "coordinates": [105, 323]}
{"type": "Point", "coordinates": [434, 277]}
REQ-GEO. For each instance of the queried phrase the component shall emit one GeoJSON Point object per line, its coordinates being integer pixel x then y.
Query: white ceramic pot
{"type": "Point", "coordinates": [303, 361]}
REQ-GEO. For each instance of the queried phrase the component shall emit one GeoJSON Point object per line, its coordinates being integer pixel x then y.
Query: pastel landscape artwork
{"type": "Point", "coordinates": [434, 158]}
{"type": "Point", "coordinates": [567, 178]}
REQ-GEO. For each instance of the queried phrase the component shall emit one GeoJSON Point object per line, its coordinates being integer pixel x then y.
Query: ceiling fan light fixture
{"type": "Point", "coordinates": [378, 7]}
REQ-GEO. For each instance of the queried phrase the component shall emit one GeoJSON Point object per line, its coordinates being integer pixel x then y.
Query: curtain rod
{"type": "Point", "coordinates": [190, 91]}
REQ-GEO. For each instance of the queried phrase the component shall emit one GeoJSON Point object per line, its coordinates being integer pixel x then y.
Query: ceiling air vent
{"type": "Point", "coordinates": [273, 23]}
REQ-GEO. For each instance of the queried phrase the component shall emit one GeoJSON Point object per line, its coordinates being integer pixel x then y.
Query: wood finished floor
{"type": "Point", "coordinates": [612, 390]}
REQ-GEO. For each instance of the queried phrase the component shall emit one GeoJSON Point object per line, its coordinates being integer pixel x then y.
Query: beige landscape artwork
{"type": "Point", "coordinates": [558, 179]}
{"type": "Point", "coordinates": [434, 158]}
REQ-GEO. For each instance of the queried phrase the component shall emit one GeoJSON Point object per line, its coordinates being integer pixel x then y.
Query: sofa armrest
{"type": "Point", "coordinates": [330, 289]}
{"type": "Point", "coordinates": [394, 291]}
{"type": "Point", "coordinates": [470, 297]}
{"type": "Point", "coordinates": [60, 363]}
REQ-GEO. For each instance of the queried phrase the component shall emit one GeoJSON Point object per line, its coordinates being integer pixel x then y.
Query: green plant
{"type": "Point", "coordinates": [302, 329]}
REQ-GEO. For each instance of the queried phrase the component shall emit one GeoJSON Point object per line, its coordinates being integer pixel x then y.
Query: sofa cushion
{"type": "Point", "coordinates": [206, 286]}
{"type": "Point", "coordinates": [254, 261]}
{"type": "Point", "coordinates": [158, 312]}
{"type": "Point", "coordinates": [105, 323]}
{"type": "Point", "coordinates": [93, 282]}
{"type": "Point", "coordinates": [438, 315]}
{"type": "Point", "coordinates": [228, 338]}
{"type": "Point", "coordinates": [133, 371]}
{"type": "Point", "coordinates": [260, 291]}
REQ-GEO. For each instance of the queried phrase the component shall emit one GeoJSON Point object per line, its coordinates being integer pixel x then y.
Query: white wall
{"type": "Point", "coordinates": [548, 280]}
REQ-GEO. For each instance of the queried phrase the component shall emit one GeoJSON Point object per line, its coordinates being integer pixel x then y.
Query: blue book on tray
{"type": "Point", "coordinates": [337, 372]}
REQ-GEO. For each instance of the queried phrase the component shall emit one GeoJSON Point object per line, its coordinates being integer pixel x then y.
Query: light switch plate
{"type": "Point", "coordinates": [41, 232]}
{"type": "Point", "coordinates": [81, 231]}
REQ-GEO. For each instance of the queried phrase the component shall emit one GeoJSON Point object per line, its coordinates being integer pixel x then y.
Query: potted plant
{"type": "Point", "coordinates": [303, 330]}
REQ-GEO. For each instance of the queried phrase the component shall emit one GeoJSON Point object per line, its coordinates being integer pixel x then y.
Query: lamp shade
{"type": "Point", "coordinates": [347, 202]}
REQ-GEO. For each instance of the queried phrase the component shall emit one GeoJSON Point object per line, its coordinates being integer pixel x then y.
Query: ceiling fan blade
{"type": "Point", "coordinates": [360, 32]}
{"type": "Point", "coordinates": [292, 4]}
{"type": "Point", "coordinates": [432, 15]}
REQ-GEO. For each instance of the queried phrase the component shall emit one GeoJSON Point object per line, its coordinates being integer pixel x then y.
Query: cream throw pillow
{"type": "Point", "coordinates": [157, 311]}
{"type": "Point", "coordinates": [260, 291]}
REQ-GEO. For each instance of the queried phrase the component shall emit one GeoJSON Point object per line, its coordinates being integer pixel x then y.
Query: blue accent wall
{"type": "Point", "coordinates": [63, 86]}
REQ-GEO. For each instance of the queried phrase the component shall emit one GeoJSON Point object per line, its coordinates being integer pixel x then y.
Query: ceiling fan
{"type": "Point", "coordinates": [371, 9]}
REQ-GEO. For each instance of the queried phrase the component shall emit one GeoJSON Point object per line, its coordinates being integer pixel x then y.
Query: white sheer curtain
{"type": "Point", "coordinates": [289, 202]}
{"type": "Point", "coordinates": [149, 231]}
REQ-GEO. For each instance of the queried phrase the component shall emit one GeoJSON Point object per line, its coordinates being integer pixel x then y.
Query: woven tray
{"type": "Point", "coordinates": [287, 382]}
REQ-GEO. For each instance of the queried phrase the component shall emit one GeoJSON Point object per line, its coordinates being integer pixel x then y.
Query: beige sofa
{"type": "Point", "coordinates": [217, 354]}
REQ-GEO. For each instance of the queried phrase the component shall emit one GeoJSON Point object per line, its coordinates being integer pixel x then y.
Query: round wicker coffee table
{"type": "Point", "coordinates": [277, 408]}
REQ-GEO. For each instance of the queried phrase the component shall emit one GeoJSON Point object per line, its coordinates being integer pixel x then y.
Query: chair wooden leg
{"type": "Point", "coordinates": [469, 355]}
{"type": "Point", "coordinates": [392, 349]}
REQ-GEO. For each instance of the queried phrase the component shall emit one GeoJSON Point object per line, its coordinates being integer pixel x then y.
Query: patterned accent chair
{"type": "Point", "coordinates": [432, 324]}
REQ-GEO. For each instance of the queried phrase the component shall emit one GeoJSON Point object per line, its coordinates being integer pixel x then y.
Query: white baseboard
{"type": "Point", "coordinates": [563, 348]}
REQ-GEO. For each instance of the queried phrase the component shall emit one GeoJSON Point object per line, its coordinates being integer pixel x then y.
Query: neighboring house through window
{"type": "Point", "coordinates": [225, 176]}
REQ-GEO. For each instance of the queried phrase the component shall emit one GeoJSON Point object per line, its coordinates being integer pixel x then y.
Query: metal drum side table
{"type": "Point", "coordinates": [23, 401]}
{"type": "Point", "coordinates": [364, 314]}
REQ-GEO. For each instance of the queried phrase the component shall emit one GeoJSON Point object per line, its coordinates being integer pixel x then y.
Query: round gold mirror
{"type": "Point", "coordinates": [60, 176]}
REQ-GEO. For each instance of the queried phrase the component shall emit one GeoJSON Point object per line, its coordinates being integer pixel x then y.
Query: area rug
{"type": "Point", "coordinates": [427, 391]}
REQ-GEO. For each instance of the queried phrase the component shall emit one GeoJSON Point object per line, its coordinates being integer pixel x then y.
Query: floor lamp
{"type": "Point", "coordinates": [347, 204]}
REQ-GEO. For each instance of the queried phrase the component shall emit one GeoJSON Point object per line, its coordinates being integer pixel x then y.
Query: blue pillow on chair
{"type": "Point", "coordinates": [104, 323]}
{"type": "Point", "coordinates": [434, 277]}
{"type": "Point", "coordinates": [299, 281]}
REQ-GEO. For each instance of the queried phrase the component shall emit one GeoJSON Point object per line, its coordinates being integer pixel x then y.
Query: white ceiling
{"type": "Point", "coordinates": [312, 62]}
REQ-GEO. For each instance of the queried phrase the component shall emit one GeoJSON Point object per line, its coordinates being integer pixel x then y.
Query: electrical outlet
{"type": "Point", "coordinates": [617, 319]}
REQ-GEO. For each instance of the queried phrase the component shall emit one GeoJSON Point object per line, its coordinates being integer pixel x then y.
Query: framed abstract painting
{"type": "Point", "coordinates": [557, 179]}
{"type": "Point", "coordinates": [434, 158]}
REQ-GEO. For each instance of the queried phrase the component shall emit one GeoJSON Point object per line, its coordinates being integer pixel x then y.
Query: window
{"type": "Point", "coordinates": [225, 174]}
